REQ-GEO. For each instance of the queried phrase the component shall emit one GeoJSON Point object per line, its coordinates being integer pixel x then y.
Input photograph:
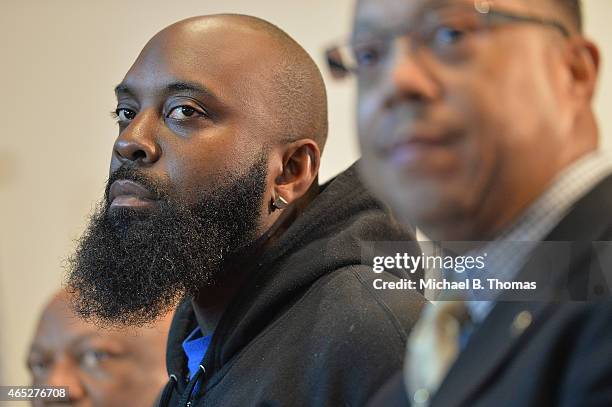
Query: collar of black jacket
{"type": "Point", "coordinates": [329, 235]}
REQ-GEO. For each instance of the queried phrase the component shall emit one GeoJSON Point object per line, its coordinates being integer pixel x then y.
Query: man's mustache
{"type": "Point", "coordinates": [159, 189]}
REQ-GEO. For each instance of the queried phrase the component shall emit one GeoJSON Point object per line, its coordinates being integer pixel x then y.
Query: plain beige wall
{"type": "Point", "coordinates": [60, 60]}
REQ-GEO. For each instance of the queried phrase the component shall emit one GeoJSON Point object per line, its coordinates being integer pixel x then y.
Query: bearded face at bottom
{"type": "Point", "coordinates": [133, 265]}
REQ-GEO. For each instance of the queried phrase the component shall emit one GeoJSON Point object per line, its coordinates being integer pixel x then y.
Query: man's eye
{"type": "Point", "coordinates": [184, 112]}
{"type": "Point", "coordinates": [38, 367]}
{"type": "Point", "coordinates": [366, 57]}
{"type": "Point", "coordinates": [446, 35]}
{"type": "Point", "coordinates": [92, 358]}
{"type": "Point", "coordinates": [123, 114]}
{"type": "Point", "coordinates": [368, 54]}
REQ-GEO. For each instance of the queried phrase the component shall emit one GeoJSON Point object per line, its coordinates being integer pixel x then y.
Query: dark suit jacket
{"type": "Point", "coordinates": [564, 356]}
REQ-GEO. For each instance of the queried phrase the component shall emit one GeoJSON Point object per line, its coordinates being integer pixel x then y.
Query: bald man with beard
{"type": "Point", "coordinates": [100, 368]}
{"type": "Point", "coordinates": [213, 197]}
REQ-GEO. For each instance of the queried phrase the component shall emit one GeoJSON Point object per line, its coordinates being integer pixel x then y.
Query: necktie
{"type": "Point", "coordinates": [432, 348]}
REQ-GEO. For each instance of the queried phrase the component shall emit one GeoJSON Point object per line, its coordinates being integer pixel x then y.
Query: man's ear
{"type": "Point", "coordinates": [300, 167]}
{"type": "Point", "coordinates": [583, 60]}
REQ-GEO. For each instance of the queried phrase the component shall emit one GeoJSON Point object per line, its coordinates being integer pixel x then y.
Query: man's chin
{"type": "Point", "coordinates": [122, 217]}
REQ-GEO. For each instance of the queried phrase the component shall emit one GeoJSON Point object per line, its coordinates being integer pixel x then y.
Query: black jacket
{"type": "Point", "coordinates": [564, 356]}
{"type": "Point", "coordinates": [307, 329]}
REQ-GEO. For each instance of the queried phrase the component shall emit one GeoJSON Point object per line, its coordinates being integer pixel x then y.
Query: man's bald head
{"type": "Point", "coordinates": [296, 96]}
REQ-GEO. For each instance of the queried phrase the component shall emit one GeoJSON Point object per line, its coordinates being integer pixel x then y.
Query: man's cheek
{"type": "Point", "coordinates": [368, 110]}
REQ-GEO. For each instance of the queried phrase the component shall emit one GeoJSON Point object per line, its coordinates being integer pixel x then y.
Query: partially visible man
{"type": "Point", "coordinates": [214, 196]}
{"type": "Point", "coordinates": [120, 367]}
{"type": "Point", "coordinates": [475, 123]}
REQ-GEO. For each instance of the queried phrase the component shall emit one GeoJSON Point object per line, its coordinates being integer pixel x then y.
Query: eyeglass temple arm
{"type": "Point", "coordinates": [530, 19]}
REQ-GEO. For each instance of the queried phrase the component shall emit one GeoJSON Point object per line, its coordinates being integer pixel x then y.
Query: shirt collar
{"type": "Point", "coordinates": [195, 347]}
{"type": "Point", "coordinates": [566, 189]}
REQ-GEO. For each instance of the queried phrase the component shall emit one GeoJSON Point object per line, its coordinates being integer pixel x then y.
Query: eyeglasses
{"type": "Point", "coordinates": [448, 31]}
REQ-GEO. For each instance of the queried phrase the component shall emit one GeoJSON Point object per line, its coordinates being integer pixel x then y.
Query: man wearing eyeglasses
{"type": "Point", "coordinates": [475, 123]}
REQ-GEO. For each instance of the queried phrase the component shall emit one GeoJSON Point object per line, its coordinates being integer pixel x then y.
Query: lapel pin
{"type": "Point", "coordinates": [522, 320]}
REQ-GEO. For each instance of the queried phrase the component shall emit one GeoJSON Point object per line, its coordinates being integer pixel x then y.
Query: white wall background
{"type": "Point", "coordinates": [59, 61]}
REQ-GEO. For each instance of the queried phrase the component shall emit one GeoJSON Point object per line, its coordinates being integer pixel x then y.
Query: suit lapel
{"type": "Point", "coordinates": [491, 344]}
{"type": "Point", "coordinates": [503, 331]}
{"type": "Point", "coordinates": [589, 218]}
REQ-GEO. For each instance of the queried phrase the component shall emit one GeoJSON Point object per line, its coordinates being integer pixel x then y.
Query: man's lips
{"type": "Point", "coordinates": [413, 147]}
{"type": "Point", "coordinates": [126, 193]}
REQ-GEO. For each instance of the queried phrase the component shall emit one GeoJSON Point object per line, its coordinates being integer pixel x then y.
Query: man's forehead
{"type": "Point", "coordinates": [59, 328]}
{"type": "Point", "coordinates": [64, 330]}
{"type": "Point", "coordinates": [373, 15]}
{"type": "Point", "coordinates": [210, 55]}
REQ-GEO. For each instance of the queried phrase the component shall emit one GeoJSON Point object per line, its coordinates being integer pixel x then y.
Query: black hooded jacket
{"type": "Point", "coordinates": [307, 328]}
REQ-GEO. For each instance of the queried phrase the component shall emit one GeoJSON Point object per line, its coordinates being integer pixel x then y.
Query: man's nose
{"type": "Point", "coordinates": [138, 141]}
{"type": "Point", "coordinates": [65, 374]}
{"type": "Point", "coordinates": [410, 75]}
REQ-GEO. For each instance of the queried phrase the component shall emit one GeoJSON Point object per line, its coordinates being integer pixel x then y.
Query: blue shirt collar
{"type": "Point", "coordinates": [195, 347]}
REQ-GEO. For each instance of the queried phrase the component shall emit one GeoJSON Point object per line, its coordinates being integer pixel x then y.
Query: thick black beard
{"type": "Point", "coordinates": [130, 267]}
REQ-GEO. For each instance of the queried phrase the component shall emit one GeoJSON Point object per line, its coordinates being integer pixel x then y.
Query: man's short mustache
{"type": "Point", "coordinates": [159, 189]}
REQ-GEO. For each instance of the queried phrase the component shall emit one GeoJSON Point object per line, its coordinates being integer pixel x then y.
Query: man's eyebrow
{"type": "Point", "coordinates": [190, 86]}
{"type": "Point", "coordinates": [363, 29]}
{"type": "Point", "coordinates": [122, 88]}
{"type": "Point", "coordinates": [83, 338]}
{"type": "Point", "coordinates": [362, 26]}
{"type": "Point", "coordinates": [35, 348]}
{"type": "Point", "coordinates": [173, 87]}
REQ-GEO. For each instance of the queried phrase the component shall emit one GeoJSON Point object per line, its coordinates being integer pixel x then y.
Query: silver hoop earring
{"type": "Point", "coordinates": [280, 203]}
